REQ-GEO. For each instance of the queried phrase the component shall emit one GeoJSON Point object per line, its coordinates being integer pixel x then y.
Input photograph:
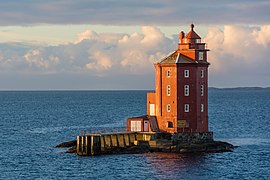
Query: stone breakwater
{"type": "Point", "coordinates": [144, 142]}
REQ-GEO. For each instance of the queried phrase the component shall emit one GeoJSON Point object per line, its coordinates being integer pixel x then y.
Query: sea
{"type": "Point", "coordinates": [32, 123]}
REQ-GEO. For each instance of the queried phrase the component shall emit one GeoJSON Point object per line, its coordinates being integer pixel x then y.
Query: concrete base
{"type": "Point", "coordinates": [141, 142]}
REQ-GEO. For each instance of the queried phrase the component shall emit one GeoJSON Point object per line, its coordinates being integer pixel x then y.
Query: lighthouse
{"type": "Point", "coordinates": [177, 111]}
{"type": "Point", "coordinates": [180, 100]}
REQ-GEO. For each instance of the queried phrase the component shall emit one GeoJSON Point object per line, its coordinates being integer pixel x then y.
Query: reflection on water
{"type": "Point", "coordinates": [173, 165]}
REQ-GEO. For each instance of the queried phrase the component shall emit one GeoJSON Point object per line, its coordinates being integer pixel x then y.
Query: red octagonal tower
{"type": "Point", "coordinates": [180, 100]}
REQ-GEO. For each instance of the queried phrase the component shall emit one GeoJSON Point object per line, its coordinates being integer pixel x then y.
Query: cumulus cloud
{"type": "Point", "coordinates": [98, 53]}
{"type": "Point", "coordinates": [34, 57]}
{"type": "Point", "coordinates": [262, 35]}
{"type": "Point", "coordinates": [37, 60]}
{"type": "Point", "coordinates": [138, 52]}
{"type": "Point", "coordinates": [239, 55]}
{"type": "Point", "coordinates": [152, 35]}
{"type": "Point", "coordinates": [99, 62]}
{"type": "Point", "coordinates": [88, 34]}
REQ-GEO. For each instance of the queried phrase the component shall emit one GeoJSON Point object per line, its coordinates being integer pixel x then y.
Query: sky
{"type": "Point", "coordinates": [113, 44]}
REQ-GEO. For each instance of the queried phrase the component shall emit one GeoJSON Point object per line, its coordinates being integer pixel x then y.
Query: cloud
{"type": "Point", "coordinates": [140, 51]}
{"type": "Point", "coordinates": [151, 36]}
{"type": "Point", "coordinates": [100, 62]}
{"type": "Point", "coordinates": [239, 56]}
{"type": "Point", "coordinates": [122, 12]}
{"type": "Point", "coordinates": [88, 34]}
{"type": "Point", "coordinates": [95, 53]}
{"type": "Point", "coordinates": [34, 57]}
{"type": "Point", "coordinates": [38, 61]}
{"type": "Point", "coordinates": [262, 35]}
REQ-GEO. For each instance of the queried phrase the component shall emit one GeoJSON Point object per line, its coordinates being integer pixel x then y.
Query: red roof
{"type": "Point", "coordinates": [192, 34]}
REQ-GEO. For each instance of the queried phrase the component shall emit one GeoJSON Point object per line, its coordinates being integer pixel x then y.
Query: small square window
{"type": "Point", "coordinates": [186, 73]}
{"type": "Point", "coordinates": [186, 107]}
{"type": "Point", "coordinates": [170, 124]}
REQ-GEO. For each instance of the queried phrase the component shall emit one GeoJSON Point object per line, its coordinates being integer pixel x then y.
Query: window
{"type": "Point", "coordinates": [186, 73]}
{"type": "Point", "coordinates": [168, 90]}
{"type": "Point", "coordinates": [202, 90]}
{"type": "Point", "coordinates": [136, 125]}
{"type": "Point", "coordinates": [186, 90]}
{"type": "Point", "coordinates": [198, 40]}
{"type": "Point", "coordinates": [202, 73]}
{"type": "Point", "coordinates": [168, 108]}
{"type": "Point", "coordinates": [201, 56]}
{"type": "Point", "coordinates": [170, 124]}
{"type": "Point", "coordinates": [169, 73]}
{"type": "Point", "coordinates": [186, 108]}
{"type": "Point", "coordinates": [152, 110]}
{"type": "Point", "coordinates": [202, 107]}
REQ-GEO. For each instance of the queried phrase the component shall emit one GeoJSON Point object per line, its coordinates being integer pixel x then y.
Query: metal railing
{"type": "Point", "coordinates": [102, 130]}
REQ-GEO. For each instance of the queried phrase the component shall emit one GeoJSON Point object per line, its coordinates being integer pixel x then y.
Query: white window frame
{"type": "Point", "coordinates": [136, 126]}
{"type": "Point", "coordinates": [186, 108]}
{"type": "Point", "coordinates": [202, 73]}
{"type": "Point", "coordinates": [168, 108]}
{"type": "Point", "coordinates": [186, 90]}
{"type": "Point", "coordinates": [202, 107]}
{"type": "Point", "coordinates": [202, 90]}
{"type": "Point", "coordinates": [169, 73]}
{"type": "Point", "coordinates": [186, 73]}
{"type": "Point", "coordinates": [201, 56]}
{"type": "Point", "coordinates": [152, 110]}
{"type": "Point", "coordinates": [168, 90]}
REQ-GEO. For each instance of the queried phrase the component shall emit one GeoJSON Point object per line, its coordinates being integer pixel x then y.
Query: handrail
{"type": "Point", "coordinates": [101, 130]}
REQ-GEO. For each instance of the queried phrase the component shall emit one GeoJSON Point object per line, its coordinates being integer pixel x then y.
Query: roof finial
{"type": "Point", "coordinates": [191, 26]}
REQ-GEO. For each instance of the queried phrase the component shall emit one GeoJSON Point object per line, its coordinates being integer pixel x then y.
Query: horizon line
{"type": "Point", "coordinates": [212, 87]}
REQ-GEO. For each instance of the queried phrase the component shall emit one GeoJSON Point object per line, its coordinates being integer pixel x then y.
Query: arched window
{"type": "Point", "coordinates": [168, 108]}
{"type": "Point", "coordinates": [202, 90]}
{"type": "Point", "coordinates": [202, 107]}
{"type": "Point", "coordinates": [169, 73]}
{"type": "Point", "coordinates": [186, 90]}
{"type": "Point", "coordinates": [186, 107]}
{"type": "Point", "coordinates": [186, 73]}
{"type": "Point", "coordinates": [202, 73]}
{"type": "Point", "coordinates": [168, 90]}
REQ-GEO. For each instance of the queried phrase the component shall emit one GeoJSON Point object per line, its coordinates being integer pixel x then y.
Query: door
{"type": "Point", "coordinates": [145, 126]}
{"type": "Point", "coordinates": [152, 110]}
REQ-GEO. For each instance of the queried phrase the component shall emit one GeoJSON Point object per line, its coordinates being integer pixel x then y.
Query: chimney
{"type": "Point", "coordinates": [181, 36]}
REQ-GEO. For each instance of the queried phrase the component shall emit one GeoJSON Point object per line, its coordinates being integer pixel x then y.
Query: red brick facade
{"type": "Point", "coordinates": [180, 100]}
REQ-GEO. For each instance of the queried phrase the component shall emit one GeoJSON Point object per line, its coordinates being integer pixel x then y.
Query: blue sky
{"type": "Point", "coordinates": [113, 44]}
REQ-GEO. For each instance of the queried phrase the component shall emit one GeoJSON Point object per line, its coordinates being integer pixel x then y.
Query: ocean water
{"type": "Point", "coordinates": [33, 122]}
